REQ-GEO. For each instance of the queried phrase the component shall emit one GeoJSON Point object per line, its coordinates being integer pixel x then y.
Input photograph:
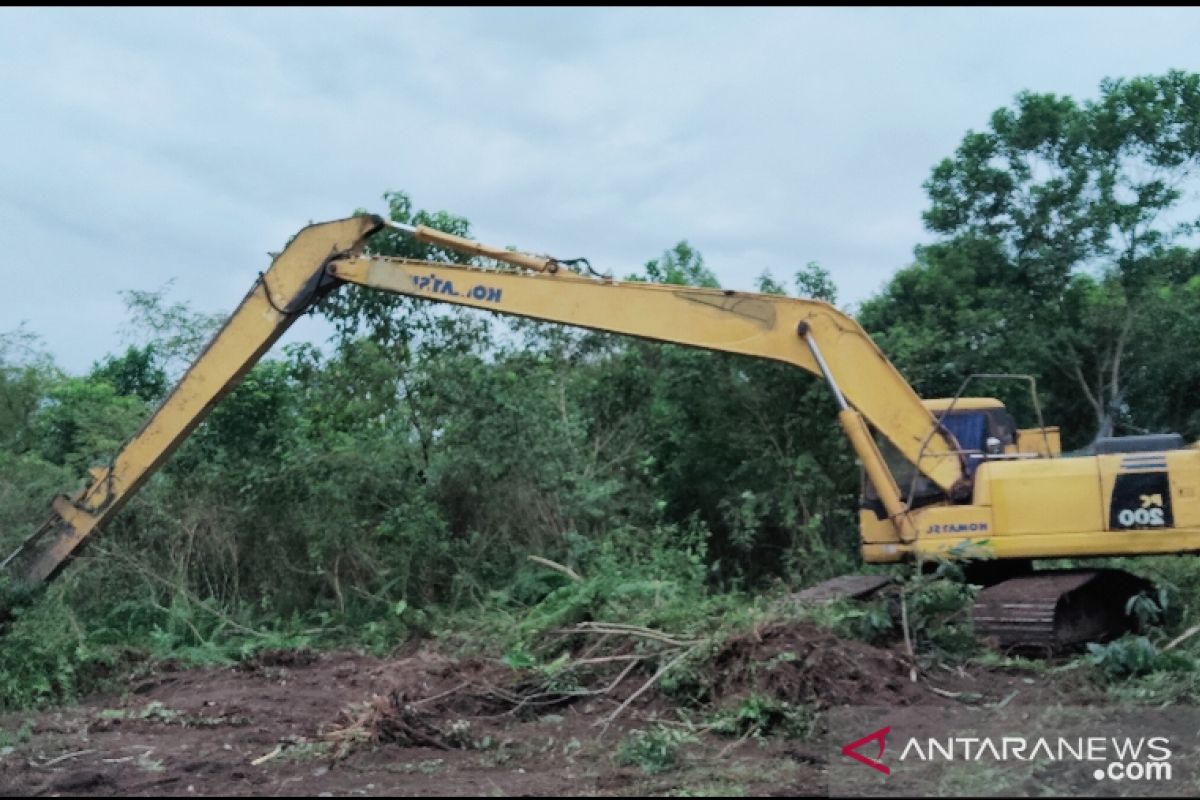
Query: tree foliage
{"type": "Point", "coordinates": [1066, 239]}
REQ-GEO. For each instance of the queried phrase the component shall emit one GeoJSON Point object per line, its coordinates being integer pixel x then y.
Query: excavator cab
{"type": "Point", "coordinates": [981, 425]}
{"type": "Point", "coordinates": [983, 429]}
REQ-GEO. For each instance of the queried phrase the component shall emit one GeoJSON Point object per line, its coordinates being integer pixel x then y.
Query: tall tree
{"type": "Point", "coordinates": [1080, 211]}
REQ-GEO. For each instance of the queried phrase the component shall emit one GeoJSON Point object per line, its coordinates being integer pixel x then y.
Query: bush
{"type": "Point", "coordinates": [1133, 656]}
{"type": "Point", "coordinates": [757, 716]}
{"type": "Point", "coordinates": [656, 750]}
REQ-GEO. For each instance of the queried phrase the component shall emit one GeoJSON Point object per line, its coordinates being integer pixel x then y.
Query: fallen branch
{"type": "Point", "coordinates": [619, 626]}
{"type": "Point", "coordinates": [440, 695]}
{"type": "Point", "coordinates": [505, 695]}
{"type": "Point", "coordinates": [591, 648]}
{"type": "Point", "coordinates": [729, 748]}
{"type": "Point", "coordinates": [409, 729]}
{"type": "Point", "coordinates": [653, 680]}
{"type": "Point", "coordinates": [614, 628]}
{"type": "Point", "coordinates": [580, 662]}
{"type": "Point", "coordinates": [557, 697]}
{"type": "Point", "coordinates": [1181, 638]}
{"type": "Point", "coordinates": [264, 759]}
{"type": "Point", "coordinates": [386, 720]}
{"type": "Point", "coordinates": [912, 670]}
{"type": "Point", "coordinates": [554, 565]}
{"type": "Point", "coordinates": [63, 757]}
{"type": "Point", "coordinates": [628, 668]}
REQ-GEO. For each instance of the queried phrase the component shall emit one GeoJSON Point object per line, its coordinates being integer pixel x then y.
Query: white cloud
{"type": "Point", "coordinates": [139, 146]}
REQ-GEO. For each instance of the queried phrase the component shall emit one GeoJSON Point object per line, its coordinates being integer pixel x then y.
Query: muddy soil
{"type": "Point", "coordinates": [337, 724]}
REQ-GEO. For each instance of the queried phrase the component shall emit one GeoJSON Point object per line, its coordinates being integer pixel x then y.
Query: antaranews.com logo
{"type": "Point", "coordinates": [1125, 751]}
{"type": "Point", "coordinates": [936, 751]}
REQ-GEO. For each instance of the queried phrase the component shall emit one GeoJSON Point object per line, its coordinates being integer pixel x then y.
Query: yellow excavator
{"type": "Point", "coordinates": [940, 476]}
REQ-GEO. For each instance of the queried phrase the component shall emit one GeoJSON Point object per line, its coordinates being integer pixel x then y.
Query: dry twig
{"type": "Point", "coordinates": [653, 680]}
{"type": "Point", "coordinates": [63, 757]}
{"type": "Point", "coordinates": [912, 670]}
{"type": "Point", "coordinates": [637, 631]}
{"type": "Point", "coordinates": [1181, 638]}
{"type": "Point", "coordinates": [554, 565]}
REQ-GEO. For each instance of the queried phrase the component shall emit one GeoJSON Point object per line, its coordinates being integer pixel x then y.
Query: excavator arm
{"type": "Point", "coordinates": [297, 278]}
{"type": "Point", "coordinates": [808, 334]}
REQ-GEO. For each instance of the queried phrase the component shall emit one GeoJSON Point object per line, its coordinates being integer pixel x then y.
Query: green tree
{"type": "Point", "coordinates": [136, 372]}
{"type": "Point", "coordinates": [26, 374]}
{"type": "Point", "coordinates": [384, 317]}
{"type": "Point", "coordinates": [683, 265]}
{"type": "Point", "coordinates": [83, 422]}
{"type": "Point", "coordinates": [1074, 216]}
{"type": "Point", "coordinates": [171, 335]}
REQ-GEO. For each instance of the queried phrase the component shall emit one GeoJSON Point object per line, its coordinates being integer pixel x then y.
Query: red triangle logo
{"type": "Point", "coordinates": [880, 736]}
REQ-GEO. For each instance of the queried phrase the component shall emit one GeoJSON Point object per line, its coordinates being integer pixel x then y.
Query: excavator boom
{"type": "Point", "coordinates": [295, 280]}
{"type": "Point", "coordinates": [808, 334]}
{"type": "Point", "coordinates": [764, 326]}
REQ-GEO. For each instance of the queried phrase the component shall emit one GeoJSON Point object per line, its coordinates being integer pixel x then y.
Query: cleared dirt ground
{"type": "Point", "coordinates": [423, 724]}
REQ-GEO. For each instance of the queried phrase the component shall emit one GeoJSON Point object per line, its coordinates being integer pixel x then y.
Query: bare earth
{"type": "Point", "coordinates": [346, 724]}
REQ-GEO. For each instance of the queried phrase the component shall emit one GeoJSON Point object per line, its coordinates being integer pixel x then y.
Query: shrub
{"type": "Point", "coordinates": [656, 750]}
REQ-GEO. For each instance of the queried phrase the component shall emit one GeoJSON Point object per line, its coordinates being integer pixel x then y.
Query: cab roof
{"type": "Point", "coordinates": [962, 404]}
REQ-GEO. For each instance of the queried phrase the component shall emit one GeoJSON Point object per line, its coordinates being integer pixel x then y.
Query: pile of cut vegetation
{"type": "Point", "coordinates": [802, 664]}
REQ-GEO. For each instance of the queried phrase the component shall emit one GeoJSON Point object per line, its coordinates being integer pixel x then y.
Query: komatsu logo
{"type": "Point", "coordinates": [432, 283]}
{"type": "Point", "coordinates": [959, 527]}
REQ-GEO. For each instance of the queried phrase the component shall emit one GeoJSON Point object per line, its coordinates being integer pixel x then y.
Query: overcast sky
{"type": "Point", "coordinates": [137, 147]}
